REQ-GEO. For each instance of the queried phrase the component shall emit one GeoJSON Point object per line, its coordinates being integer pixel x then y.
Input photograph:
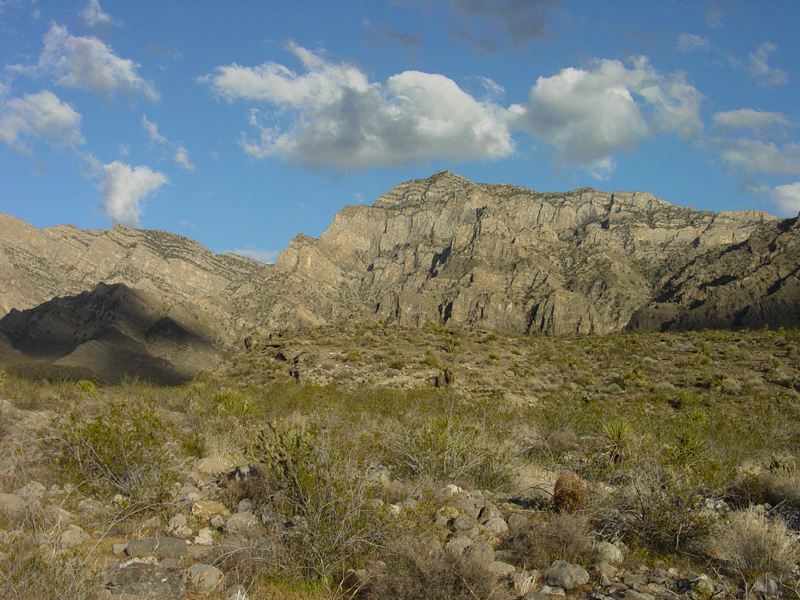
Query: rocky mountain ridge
{"type": "Point", "coordinates": [441, 250]}
{"type": "Point", "coordinates": [500, 257]}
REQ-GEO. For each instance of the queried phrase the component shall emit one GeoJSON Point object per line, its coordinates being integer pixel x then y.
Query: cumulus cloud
{"type": "Point", "coordinates": [757, 122]}
{"type": "Point", "coordinates": [86, 62]}
{"type": "Point", "coordinates": [689, 42]}
{"type": "Point", "coordinates": [38, 115]}
{"type": "Point", "coordinates": [264, 256]}
{"type": "Point", "coordinates": [520, 20]}
{"type": "Point", "coordinates": [755, 157]}
{"type": "Point", "coordinates": [760, 70]}
{"type": "Point", "coordinates": [589, 115]}
{"type": "Point", "coordinates": [332, 116]}
{"type": "Point", "coordinates": [93, 15]}
{"type": "Point", "coordinates": [124, 188]}
{"type": "Point", "coordinates": [787, 198]}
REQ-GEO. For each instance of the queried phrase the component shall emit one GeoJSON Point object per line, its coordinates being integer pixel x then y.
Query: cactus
{"type": "Point", "coordinates": [569, 494]}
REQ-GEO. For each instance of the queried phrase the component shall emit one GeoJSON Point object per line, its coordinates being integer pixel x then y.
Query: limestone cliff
{"type": "Point", "coordinates": [444, 249]}
{"type": "Point", "coordinates": [39, 264]}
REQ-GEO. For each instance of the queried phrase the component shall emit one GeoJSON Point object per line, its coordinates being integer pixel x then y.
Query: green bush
{"type": "Point", "coordinates": [123, 449]}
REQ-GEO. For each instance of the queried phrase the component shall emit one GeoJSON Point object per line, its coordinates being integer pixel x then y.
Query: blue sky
{"type": "Point", "coordinates": [241, 124]}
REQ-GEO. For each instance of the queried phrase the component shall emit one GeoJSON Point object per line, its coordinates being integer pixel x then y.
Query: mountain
{"type": "Point", "coordinates": [39, 264]}
{"type": "Point", "coordinates": [447, 250]}
{"type": "Point", "coordinates": [108, 333]}
{"type": "Point", "coordinates": [441, 249]}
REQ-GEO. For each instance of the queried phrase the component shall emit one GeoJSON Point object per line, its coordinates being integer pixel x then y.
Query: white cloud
{"type": "Point", "coordinates": [152, 131]}
{"type": "Point", "coordinates": [787, 198]}
{"type": "Point", "coordinates": [38, 115]}
{"type": "Point", "coordinates": [766, 75]}
{"type": "Point", "coordinates": [332, 116]}
{"type": "Point", "coordinates": [264, 256]}
{"type": "Point", "coordinates": [688, 42]}
{"type": "Point", "coordinates": [181, 155]}
{"type": "Point", "coordinates": [590, 115]}
{"type": "Point", "coordinates": [754, 157]}
{"type": "Point", "coordinates": [87, 63]}
{"type": "Point", "coordinates": [93, 15]}
{"type": "Point", "coordinates": [182, 158]}
{"type": "Point", "coordinates": [756, 121]}
{"type": "Point", "coordinates": [123, 188]}
{"type": "Point", "coordinates": [713, 14]}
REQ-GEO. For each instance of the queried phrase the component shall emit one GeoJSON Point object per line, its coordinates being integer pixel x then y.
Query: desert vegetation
{"type": "Point", "coordinates": [368, 461]}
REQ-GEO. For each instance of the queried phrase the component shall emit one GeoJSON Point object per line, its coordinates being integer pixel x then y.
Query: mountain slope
{"type": "Point", "coordinates": [112, 332]}
{"type": "Point", "coordinates": [444, 249]}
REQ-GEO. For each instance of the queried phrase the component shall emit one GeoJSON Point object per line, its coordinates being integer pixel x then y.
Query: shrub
{"type": "Point", "coordinates": [565, 537]}
{"type": "Point", "coordinates": [448, 448]}
{"type": "Point", "coordinates": [414, 572]}
{"type": "Point", "coordinates": [321, 491]}
{"type": "Point", "coordinates": [121, 450]}
{"type": "Point", "coordinates": [753, 545]}
{"type": "Point", "coordinates": [569, 493]}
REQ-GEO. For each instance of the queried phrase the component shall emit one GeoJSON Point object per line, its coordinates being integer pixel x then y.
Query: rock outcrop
{"type": "Point", "coordinates": [39, 264]}
{"type": "Point", "coordinates": [447, 250]}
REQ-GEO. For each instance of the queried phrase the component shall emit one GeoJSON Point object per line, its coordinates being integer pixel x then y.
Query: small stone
{"type": "Point", "coordinates": [565, 575]}
{"type": "Point", "coordinates": [161, 548]}
{"type": "Point", "coordinates": [118, 549]}
{"type": "Point", "coordinates": [458, 544]}
{"type": "Point", "coordinates": [170, 564]}
{"type": "Point", "coordinates": [73, 536]}
{"type": "Point", "coordinates": [204, 577]}
{"type": "Point", "coordinates": [518, 522]}
{"type": "Point", "coordinates": [464, 522]}
{"type": "Point", "coordinates": [609, 553]}
{"type": "Point", "coordinates": [218, 522]}
{"type": "Point", "coordinates": [236, 592]}
{"type": "Point", "coordinates": [12, 506]}
{"type": "Point", "coordinates": [211, 466]}
{"type": "Point", "coordinates": [143, 580]}
{"type": "Point", "coordinates": [241, 524]}
{"type": "Point", "coordinates": [450, 512]}
{"type": "Point", "coordinates": [765, 585]}
{"type": "Point", "coordinates": [496, 525]}
{"type": "Point", "coordinates": [205, 537]}
{"type": "Point", "coordinates": [501, 569]}
{"type": "Point", "coordinates": [450, 490]}
{"type": "Point", "coordinates": [469, 506]}
{"type": "Point", "coordinates": [205, 510]}
{"type": "Point", "coordinates": [552, 590]}
{"type": "Point", "coordinates": [245, 505]}
{"type": "Point", "coordinates": [481, 550]}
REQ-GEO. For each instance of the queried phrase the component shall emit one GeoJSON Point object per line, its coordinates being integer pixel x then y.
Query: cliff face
{"type": "Point", "coordinates": [498, 257]}
{"type": "Point", "coordinates": [38, 264]}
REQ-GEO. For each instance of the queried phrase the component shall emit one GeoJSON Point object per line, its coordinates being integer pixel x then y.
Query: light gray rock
{"type": "Point", "coordinates": [565, 575]}
{"type": "Point", "coordinates": [518, 522]}
{"type": "Point", "coordinates": [552, 590]}
{"type": "Point", "coordinates": [458, 544]}
{"type": "Point", "coordinates": [160, 548]}
{"type": "Point", "coordinates": [144, 580]}
{"type": "Point", "coordinates": [242, 525]}
{"type": "Point", "coordinates": [204, 577]}
{"type": "Point", "coordinates": [245, 506]}
{"type": "Point", "coordinates": [12, 506]}
{"type": "Point", "coordinates": [765, 585]}
{"type": "Point", "coordinates": [496, 525]}
{"type": "Point", "coordinates": [609, 553]}
{"type": "Point", "coordinates": [73, 536]}
{"type": "Point", "coordinates": [500, 569]}
{"type": "Point", "coordinates": [481, 550]}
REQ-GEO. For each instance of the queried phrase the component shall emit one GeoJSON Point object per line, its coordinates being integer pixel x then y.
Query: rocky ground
{"type": "Point", "coordinates": [376, 462]}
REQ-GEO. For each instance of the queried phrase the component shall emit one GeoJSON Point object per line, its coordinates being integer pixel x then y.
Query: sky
{"type": "Point", "coordinates": [241, 124]}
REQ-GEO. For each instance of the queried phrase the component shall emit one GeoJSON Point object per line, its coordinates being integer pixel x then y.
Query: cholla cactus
{"type": "Point", "coordinates": [569, 494]}
{"type": "Point", "coordinates": [284, 447]}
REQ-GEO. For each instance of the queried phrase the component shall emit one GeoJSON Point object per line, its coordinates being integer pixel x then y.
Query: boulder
{"type": "Point", "coordinates": [565, 575]}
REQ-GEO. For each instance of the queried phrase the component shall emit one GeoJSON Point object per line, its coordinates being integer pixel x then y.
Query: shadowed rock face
{"type": "Point", "coordinates": [444, 249]}
{"type": "Point", "coordinates": [109, 333]}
